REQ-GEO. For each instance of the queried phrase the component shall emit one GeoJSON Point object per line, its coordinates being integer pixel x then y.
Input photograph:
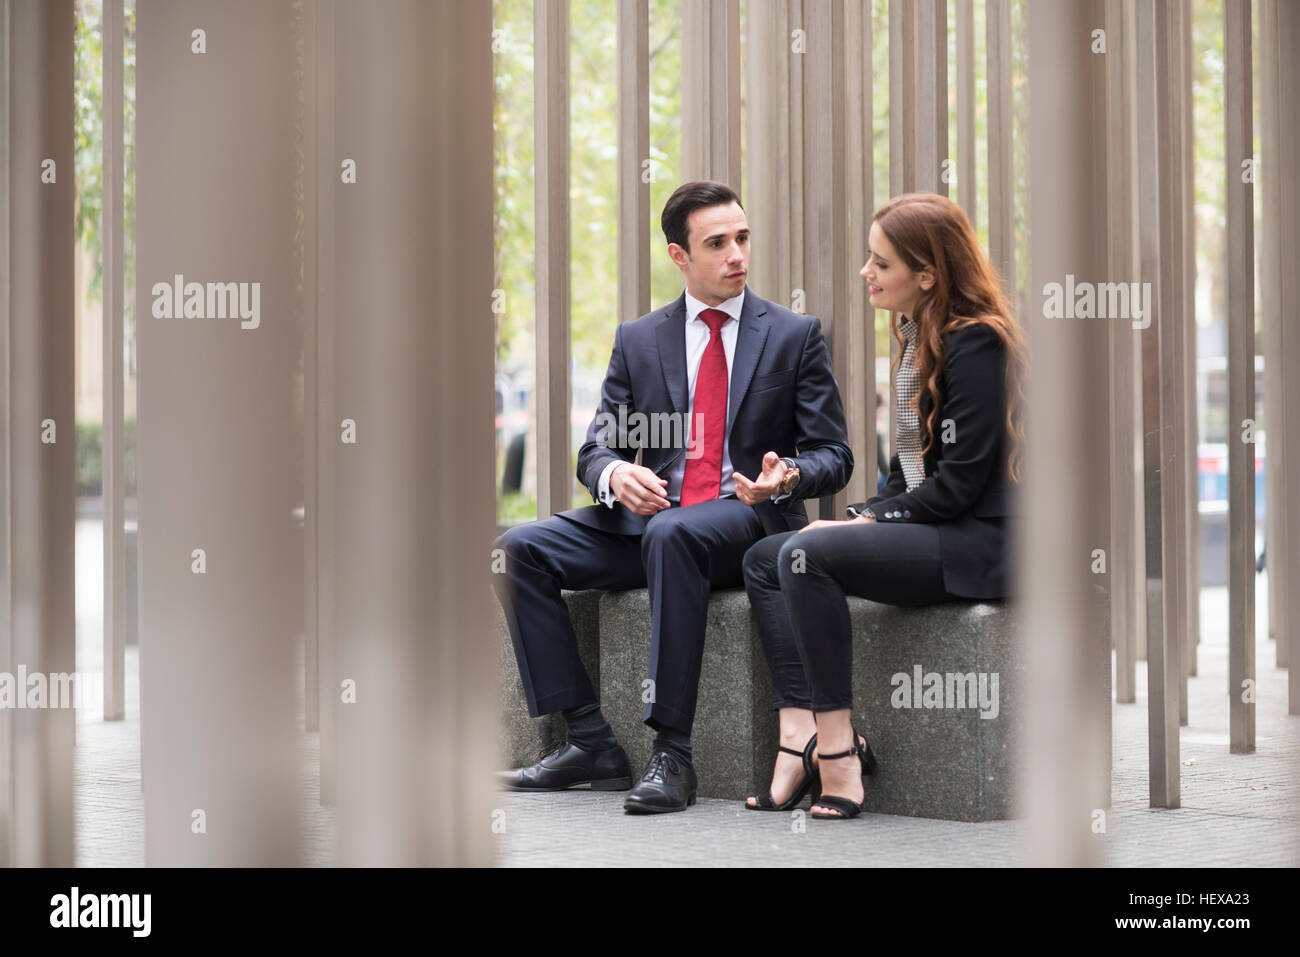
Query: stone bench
{"type": "Point", "coordinates": [938, 757]}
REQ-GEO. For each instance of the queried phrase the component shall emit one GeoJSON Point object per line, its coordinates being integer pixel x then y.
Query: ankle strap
{"type": "Point", "coordinates": [797, 754]}
{"type": "Point", "coordinates": [843, 754]}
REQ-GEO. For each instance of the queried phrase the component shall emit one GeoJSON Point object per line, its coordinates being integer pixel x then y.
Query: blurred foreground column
{"type": "Point", "coordinates": [1286, 377]}
{"type": "Point", "coordinates": [1065, 520]}
{"type": "Point", "coordinates": [218, 566]}
{"type": "Point", "coordinates": [1282, 330]}
{"type": "Point", "coordinates": [414, 687]}
{"type": "Point", "coordinates": [38, 436]}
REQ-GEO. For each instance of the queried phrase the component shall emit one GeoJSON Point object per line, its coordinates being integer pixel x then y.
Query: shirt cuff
{"type": "Point", "coordinates": [602, 485]}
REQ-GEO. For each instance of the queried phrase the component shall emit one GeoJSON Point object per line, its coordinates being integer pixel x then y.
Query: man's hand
{"type": "Point", "coordinates": [829, 523]}
{"type": "Point", "coordinates": [639, 489]}
{"type": "Point", "coordinates": [765, 486]}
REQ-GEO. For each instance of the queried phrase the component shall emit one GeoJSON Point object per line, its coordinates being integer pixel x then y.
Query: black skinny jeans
{"type": "Point", "coordinates": [797, 583]}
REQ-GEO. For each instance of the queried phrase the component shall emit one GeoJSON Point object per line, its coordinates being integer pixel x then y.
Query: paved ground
{"type": "Point", "coordinates": [1238, 810]}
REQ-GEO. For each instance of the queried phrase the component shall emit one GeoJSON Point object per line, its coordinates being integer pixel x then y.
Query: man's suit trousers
{"type": "Point", "coordinates": [682, 555]}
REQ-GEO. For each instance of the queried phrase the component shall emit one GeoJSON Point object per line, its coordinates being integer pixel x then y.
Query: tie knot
{"type": "Point", "coordinates": [714, 318]}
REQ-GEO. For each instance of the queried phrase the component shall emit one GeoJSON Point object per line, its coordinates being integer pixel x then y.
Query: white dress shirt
{"type": "Point", "coordinates": [697, 340]}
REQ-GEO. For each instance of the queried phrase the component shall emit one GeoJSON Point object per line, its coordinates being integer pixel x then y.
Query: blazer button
{"type": "Point", "coordinates": [907, 514]}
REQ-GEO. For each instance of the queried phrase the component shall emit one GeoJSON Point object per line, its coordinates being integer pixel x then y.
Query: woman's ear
{"type": "Point", "coordinates": [927, 278]}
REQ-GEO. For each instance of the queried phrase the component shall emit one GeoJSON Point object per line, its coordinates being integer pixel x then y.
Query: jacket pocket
{"type": "Point", "coordinates": [770, 380]}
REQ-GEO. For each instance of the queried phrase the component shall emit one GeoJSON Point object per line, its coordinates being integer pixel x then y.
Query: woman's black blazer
{"type": "Point", "coordinates": [967, 492]}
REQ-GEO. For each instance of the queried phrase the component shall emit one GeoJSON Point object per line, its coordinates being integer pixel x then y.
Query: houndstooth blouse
{"type": "Point", "coordinates": [907, 429]}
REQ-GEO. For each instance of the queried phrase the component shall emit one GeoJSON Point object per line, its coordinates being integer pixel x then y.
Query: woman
{"type": "Point", "coordinates": [934, 532]}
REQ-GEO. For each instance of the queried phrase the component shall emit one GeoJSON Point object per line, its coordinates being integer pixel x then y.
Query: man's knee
{"type": "Point", "coordinates": [670, 525]}
{"type": "Point", "coordinates": [519, 545]}
{"type": "Point", "coordinates": [508, 543]}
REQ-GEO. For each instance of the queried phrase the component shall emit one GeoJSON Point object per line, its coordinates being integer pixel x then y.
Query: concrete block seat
{"type": "Point", "coordinates": [936, 691]}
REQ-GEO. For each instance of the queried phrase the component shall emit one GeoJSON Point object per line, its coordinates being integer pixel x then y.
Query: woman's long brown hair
{"type": "Point", "coordinates": [931, 230]}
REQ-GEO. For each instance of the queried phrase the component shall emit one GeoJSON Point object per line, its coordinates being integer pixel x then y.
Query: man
{"type": "Point", "coordinates": [749, 385]}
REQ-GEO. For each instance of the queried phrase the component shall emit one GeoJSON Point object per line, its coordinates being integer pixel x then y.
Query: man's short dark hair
{"type": "Point", "coordinates": [686, 199]}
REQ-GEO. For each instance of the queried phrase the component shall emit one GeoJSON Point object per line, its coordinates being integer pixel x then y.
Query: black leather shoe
{"type": "Point", "coordinates": [667, 785]}
{"type": "Point", "coordinates": [568, 766]}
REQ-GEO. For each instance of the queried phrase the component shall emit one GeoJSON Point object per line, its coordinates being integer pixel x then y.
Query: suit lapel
{"type": "Point", "coordinates": [750, 338]}
{"type": "Point", "coordinates": [671, 338]}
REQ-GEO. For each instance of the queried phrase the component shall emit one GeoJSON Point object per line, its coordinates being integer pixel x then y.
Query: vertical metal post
{"type": "Point", "coordinates": [932, 95]}
{"type": "Point", "coordinates": [37, 424]}
{"type": "Point", "coordinates": [1068, 660]}
{"type": "Point", "coordinates": [1173, 337]}
{"type": "Point", "coordinates": [773, 169]}
{"type": "Point", "coordinates": [219, 570]}
{"type": "Point", "coordinates": [326, 420]}
{"type": "Point", "coordinates": [903, 102]}
{"type": "Point", "coordinates": [711, 91]}
{"type": "Point", "coordinates": [860, 388]}
{"type": "Point", "coordinates": [827, 223]}
{"type": "Point", "coordinates": [1240, 242]}
{"type": "Point", "coordinates": [1163, 648]}
{"type": "Point", "coordinates": [112, 453]}
{"type": "Point", "coordinates": [633, 151]}
{"type": "Point", "coordinates": [1125, 559]}
{"type": "Point", "coordinates": [967, 192]}
{"type": "Point", "coordinates": [412, 603]}
{"type": "Point", "coordinates": [1002, 185]}
{"type": "Point", "coordinates": [555, 477]}
{"type": "Point", "coordinates": [1271, 176]}
{"type": "Point", "coordinates": [1191, 420]}
{"type": "Point", "coordinates": [1288, 378]}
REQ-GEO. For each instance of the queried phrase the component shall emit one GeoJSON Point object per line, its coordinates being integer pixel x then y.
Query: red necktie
{"type": "Point", "coordinates": [703, 476]}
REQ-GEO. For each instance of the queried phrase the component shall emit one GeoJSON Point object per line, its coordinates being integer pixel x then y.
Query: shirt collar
{"type": "Point", "coordinates": [908, 329]}
{"type": "Point", "coordinates": [730, 306]}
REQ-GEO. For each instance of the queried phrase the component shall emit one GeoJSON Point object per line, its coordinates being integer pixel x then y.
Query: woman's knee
{"type": "Point", "coordinates": [792, 563]}
{"type": "Point", "coordinates": [759, 563]}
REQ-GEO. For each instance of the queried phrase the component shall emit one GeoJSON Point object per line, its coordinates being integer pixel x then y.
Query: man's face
{"type": "Point", "coordinates": [718, 261]}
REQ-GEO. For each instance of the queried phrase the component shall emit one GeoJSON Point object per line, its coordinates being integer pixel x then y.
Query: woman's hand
{"type": "Point", "coordinates": [828, 523]}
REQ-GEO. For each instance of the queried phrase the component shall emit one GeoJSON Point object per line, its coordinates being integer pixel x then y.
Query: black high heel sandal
{"type": "Point", "coordinates": [811, 782]}
{"type": "Point", "coordinates": [846, 807]}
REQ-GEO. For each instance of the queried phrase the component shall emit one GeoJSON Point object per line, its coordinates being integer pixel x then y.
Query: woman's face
{"type": "Point", "coordinates": [894, 287]}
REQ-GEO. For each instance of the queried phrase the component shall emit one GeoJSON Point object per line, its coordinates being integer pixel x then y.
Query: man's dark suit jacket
{"type": "Point", "coordinates": [782, 398]}
{"type": "Point", "coordinates": [967, 491]}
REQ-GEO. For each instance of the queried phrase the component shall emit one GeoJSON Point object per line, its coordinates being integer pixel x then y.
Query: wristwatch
{"type": "Point", "coordinates": [791, 477]}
